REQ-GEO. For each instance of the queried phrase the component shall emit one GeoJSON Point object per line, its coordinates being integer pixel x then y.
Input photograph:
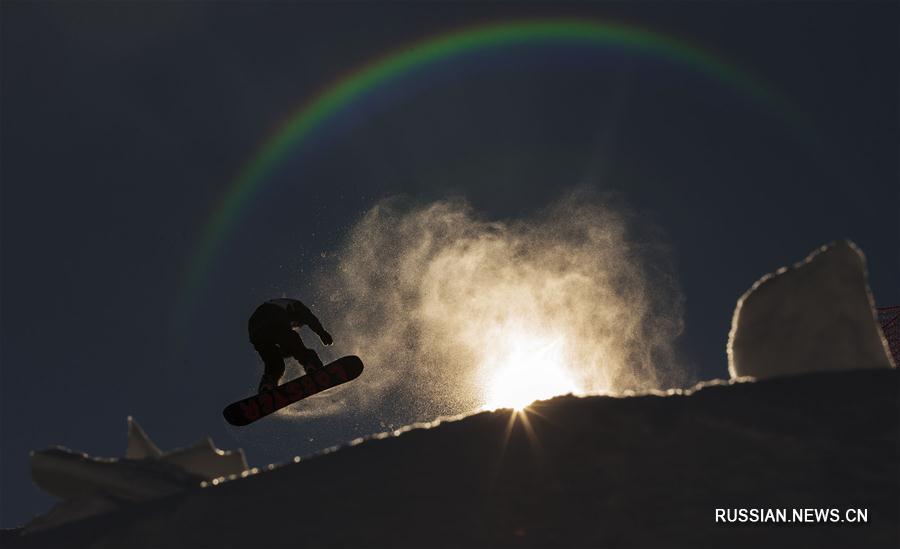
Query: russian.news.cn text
{"type": "Point", "coordinates": [788, 515]}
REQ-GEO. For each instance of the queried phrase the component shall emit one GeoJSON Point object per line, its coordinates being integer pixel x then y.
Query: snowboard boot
{"type": "Point", "coordinates": [266, 383]}
{"type": "Point", "coordinates": [310, 361]}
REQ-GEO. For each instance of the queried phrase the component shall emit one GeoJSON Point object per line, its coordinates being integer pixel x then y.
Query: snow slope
{"type": "Point", "coordinates": [639, 471]}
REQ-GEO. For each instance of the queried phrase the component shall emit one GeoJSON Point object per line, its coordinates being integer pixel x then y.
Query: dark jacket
{"type": "Point", "coordinates": [278, 315]}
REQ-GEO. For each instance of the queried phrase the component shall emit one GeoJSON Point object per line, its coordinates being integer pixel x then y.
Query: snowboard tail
{"type": "Point", "coordinates": [250, 409]}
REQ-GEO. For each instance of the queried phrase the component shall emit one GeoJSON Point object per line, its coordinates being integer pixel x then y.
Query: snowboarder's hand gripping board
{"type": "Point", "coordinates": [244, 412]}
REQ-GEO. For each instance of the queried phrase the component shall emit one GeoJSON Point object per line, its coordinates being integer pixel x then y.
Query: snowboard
{"type": "Point", "coordinates": [250, 409]}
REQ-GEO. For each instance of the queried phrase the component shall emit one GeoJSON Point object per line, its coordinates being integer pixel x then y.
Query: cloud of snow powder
{"type": "Point", "coordinates": [438, 301]}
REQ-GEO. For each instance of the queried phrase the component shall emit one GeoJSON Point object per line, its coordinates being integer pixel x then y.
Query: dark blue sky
{"type": "Point", "coordinates": [123, 123]}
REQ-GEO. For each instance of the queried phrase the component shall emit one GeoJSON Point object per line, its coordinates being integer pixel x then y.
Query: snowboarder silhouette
{"type": "Point", "coordinates": [273, 332]}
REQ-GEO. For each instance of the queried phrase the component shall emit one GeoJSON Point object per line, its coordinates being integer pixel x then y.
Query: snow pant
{"type": "Point", "coordinates": [274, 340]}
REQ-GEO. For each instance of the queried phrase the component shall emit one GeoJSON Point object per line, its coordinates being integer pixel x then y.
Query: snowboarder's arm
{"type": "Point", "coordinates": [310, 320]}
{"type": "Point", "coordinates": [316, 326]}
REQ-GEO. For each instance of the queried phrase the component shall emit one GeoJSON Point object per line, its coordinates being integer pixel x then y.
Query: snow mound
{"type": "Point", "coordinates": [640, 471]}
{"type": "Point", "coordinates": [90, 485]}
{"type": "Point", "coordinates": [818, 315]}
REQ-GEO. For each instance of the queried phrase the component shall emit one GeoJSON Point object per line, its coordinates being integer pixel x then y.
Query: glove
{"type": "Point", "coordinates": [326, 338]}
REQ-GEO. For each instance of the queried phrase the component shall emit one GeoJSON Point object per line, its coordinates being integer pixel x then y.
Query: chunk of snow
{"type": "Point", "coordinates": [71, 475]}
{"type": "Point", "coordinates": [207, 461]}
{"type": "Point", "coordinates": [87, 485]}
{"type": "Point", "coordinates": [202, 459]}
{"type": "Point", "coordinates": [139, 444]}
{"type": "Point", "coordinates": [817, 315]}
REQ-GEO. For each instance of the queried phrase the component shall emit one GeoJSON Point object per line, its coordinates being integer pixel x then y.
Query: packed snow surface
{"type": "Point", "coordinates": [639, 471]}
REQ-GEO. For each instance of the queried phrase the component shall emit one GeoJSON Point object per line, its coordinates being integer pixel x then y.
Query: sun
{"type": "Point", "coordinates": [526, 369]}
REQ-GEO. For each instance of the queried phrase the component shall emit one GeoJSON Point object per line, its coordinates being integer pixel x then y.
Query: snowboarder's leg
{"type": "Point", "coordinates": [310, 361]}
{"type": "Point", "coordinates": [292, 345]}
{"type": "Point", "coordinates": [263, 326]}
{"type": "Point", "coordinates": [271, 356]}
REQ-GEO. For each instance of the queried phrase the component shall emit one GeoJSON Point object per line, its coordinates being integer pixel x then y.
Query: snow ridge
{"type": "Point", "coordinates": [641, 471]}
